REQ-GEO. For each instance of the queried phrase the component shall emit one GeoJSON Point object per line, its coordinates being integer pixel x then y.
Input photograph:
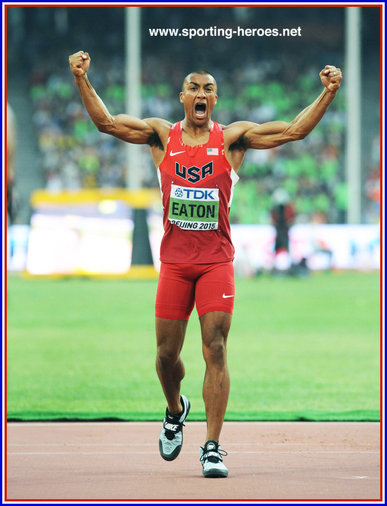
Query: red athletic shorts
{"type": "Point", "coordinates": [210, 286]}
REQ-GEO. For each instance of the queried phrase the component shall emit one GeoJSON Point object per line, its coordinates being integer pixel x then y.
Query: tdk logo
{"type": "Point", "coordinates": [194, 174]}
{"type": "Point", "coordinates": [192, 194]}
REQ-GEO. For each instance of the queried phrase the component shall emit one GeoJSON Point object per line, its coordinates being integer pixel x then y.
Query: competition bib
{"type": "Point", "coordinates": [194, 208]}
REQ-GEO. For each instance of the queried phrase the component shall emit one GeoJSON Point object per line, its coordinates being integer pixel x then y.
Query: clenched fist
{"type": "Point", "coordinates": [79, 63]}
{"type": "Point", "coordinates": [331, 77]}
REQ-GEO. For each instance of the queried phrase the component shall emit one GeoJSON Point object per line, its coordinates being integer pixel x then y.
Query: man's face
{"type": "Point", "coordinates": [199, 97]}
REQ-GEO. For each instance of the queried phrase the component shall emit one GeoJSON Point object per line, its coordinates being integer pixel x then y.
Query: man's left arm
{"type": "Point", "coordinates": [275, 133]}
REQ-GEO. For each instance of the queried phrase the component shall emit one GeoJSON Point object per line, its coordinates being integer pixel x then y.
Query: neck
{"type": "Point", "coordinates": [194, 129]}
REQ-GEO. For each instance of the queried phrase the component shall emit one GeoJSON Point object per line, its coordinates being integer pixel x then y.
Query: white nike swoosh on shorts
{"type": "Point", "coordinates": [227, 296]}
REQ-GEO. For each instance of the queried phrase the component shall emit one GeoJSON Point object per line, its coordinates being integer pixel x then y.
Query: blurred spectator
{"type": "Point", "coordinates": [282, 216]}
{"type": "Point", "coordinates": [11, 146]}
{"type": "Point", "coordinates": [372, 184]}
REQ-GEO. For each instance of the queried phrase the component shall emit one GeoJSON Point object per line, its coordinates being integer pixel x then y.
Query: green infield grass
{"type": "Point", "coordinates": [299, 349]}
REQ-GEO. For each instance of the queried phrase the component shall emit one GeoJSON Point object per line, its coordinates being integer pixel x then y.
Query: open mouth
{"type": "Point", "coordinates": [200, 110]}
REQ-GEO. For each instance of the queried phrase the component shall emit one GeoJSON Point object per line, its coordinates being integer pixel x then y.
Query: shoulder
{"type": "Point", "coordinates": [234, 134]}
{"type": "Point", "coordinates": [158, 122]}
{"type": "Point", "coordinates": [159, 125]}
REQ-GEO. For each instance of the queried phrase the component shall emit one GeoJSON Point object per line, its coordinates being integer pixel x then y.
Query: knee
{"type": "Point", "coordinates": [167, 356]}
{"type": "Point", "coordinates": [215, 352]}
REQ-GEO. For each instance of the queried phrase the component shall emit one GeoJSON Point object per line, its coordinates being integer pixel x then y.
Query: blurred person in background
{"type": "Point", "coordinates": [282, 215]}
{"type": "Point", "coordinates": [197, 161]}
{"type": "Point", "coordinates": [11, 145]}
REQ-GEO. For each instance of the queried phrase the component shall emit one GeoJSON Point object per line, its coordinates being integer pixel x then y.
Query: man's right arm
{"type": "Point", "coordinates": [123, 126]}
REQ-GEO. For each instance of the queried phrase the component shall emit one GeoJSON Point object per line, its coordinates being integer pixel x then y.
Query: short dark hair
{"type": "Point", "coordinates": [201, 72]}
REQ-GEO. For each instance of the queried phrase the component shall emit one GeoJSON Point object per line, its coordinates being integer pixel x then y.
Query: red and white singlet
{"type": "Point", "coordinates": [197, 186]}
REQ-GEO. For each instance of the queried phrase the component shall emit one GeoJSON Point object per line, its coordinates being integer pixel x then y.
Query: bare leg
{"type": "Point", "coordinates": [170, 369]}
{"type": "Point", "coordinates": [216, 387]}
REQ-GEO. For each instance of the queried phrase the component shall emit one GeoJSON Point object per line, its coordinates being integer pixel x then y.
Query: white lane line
{"type": "Point", "coordinates": [83, 453]}
{"type": "Point", "coordinates": [80, 444]}
{"type": "Point", "coordinates": [301, 452]}
{"type": "Point", "coordinates": [359, 478]}
{"type": "Point", "coordinates": [28, 444]}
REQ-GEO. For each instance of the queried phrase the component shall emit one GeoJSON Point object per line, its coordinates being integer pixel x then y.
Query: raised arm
{"type": "Point", "coordinates": [275, 133]}
{"type": "Point", "coordinates": [125, 127]}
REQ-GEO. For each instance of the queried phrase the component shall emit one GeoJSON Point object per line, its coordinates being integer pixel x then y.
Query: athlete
{"type": "Point", "coordinates": [197, 161]}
